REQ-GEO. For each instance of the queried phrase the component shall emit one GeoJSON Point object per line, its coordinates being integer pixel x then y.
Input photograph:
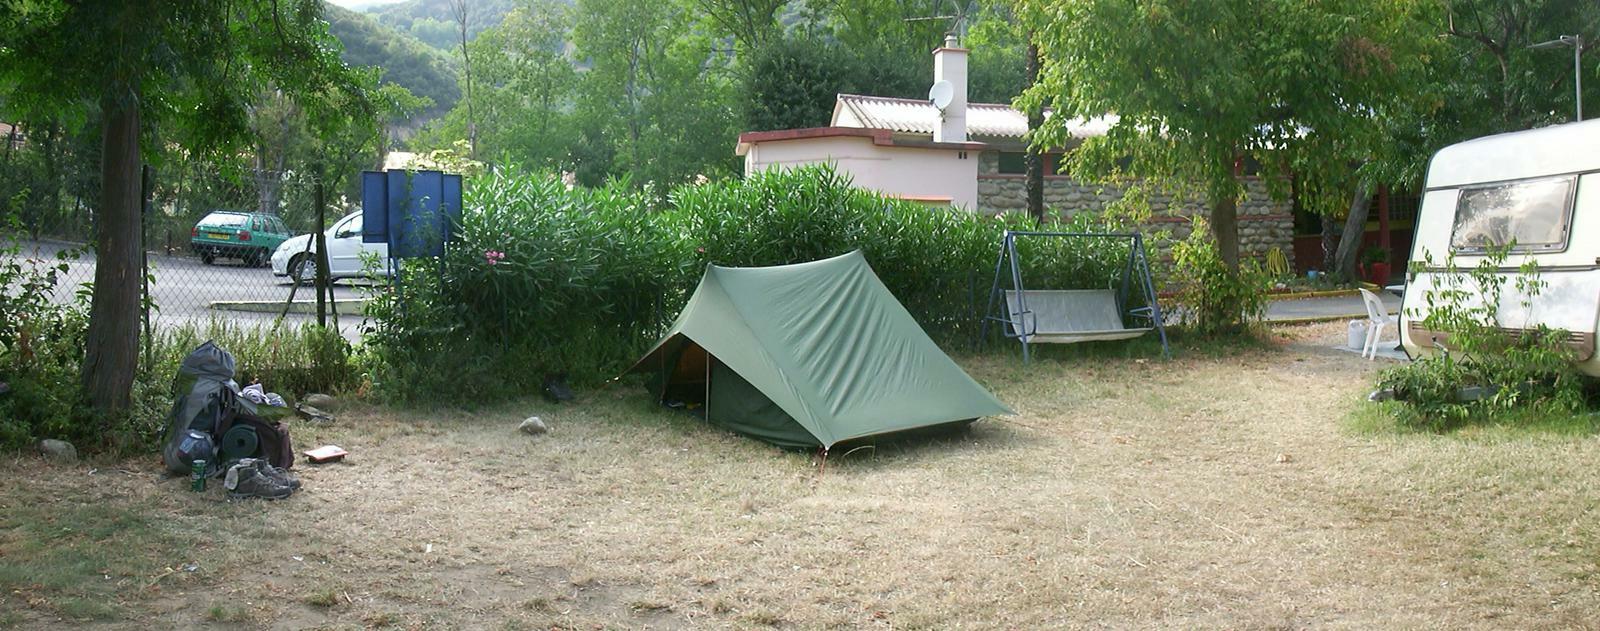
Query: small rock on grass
{"type": "Point", "coordinates": [58, 450]}
{"type": "Point", "coordinates": [321, 401]}
{"type": "Point", "coordinates": [533, 425]}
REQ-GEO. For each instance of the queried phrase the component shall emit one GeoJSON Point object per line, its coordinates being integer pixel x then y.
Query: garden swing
{"type": "Point", "coordinates": [1068, 316]}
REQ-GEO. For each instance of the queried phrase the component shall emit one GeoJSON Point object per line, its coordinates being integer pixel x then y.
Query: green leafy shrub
{"type": "Point", "coordinates": [289, 360]}
{"type": "Point", "coordinates": [551, 279]}
{"type": "Point", "coordinates": [41, 344]}
{"type": "Point", "coordinates": [543, 279]}
{"type": "Point", "coordinates": [1488, 369]}
{"type": "Point", "coordinates": [1214, 299]}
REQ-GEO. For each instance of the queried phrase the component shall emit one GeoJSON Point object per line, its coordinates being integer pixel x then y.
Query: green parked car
{"type": "Point", "coordinates": [250, 237]}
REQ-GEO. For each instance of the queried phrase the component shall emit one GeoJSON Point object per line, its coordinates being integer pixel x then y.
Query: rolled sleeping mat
{"type": "Point", "coordinates": [239, 443]}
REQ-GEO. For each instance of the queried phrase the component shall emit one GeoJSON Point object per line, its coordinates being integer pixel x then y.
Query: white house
{"type": "Point", "coordinates": [908, 148]}
{"type": "Point", "coordinates": [971, 156]}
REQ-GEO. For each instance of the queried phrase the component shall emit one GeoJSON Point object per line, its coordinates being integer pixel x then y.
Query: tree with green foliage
{"type": "Point", "coordinates": [792, 82]}
{"type": "Point", "coordinates": [752, 23]}
{"type": "Point", "coordinates": [658, 89]}
{"type": "Point", "coordinates": [431, 20]}
{"type": "Point", "coordinates": [1201, 88]}
{"type": "Point", "coordinates": [149, 67]}
{"type": "Point", "coordinates": [526, 84]}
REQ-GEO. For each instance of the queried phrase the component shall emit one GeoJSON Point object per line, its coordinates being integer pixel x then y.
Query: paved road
{"type": "Point", "coordinates": [1331, 307]}
{"type": "Point", "coordinates": [184, 288]}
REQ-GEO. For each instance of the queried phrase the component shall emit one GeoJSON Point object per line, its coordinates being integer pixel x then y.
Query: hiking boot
{"type": "Point", "coordinates": [278, 475]}
{"type": "Point", "coordinates": [245, 481]}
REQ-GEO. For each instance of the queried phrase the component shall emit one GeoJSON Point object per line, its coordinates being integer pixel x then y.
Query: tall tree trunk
{"type": "Point", "coordinates": [1225, 227]}
{"type": "Point", "coordinates": [1225, 218]}
{"type": "Point", "coordinates": [1330, 242]}
{"type": "Point", "coordinates": [459, 9]}
{"type": "Point", "coordinates": [11, 141]}
{"type": "Point", "coordinates": [52, 169]}
{"type": "Point", "coordinates": [1035, 159]}
{"type": "Point", "coordinates": [112, 341]}
{"type": "Point", "coordinates": [1354, 226]}
{"type": "Point", "coordinates": [322, 250]}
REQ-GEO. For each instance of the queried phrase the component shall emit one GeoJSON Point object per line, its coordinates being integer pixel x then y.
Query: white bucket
{"type": "Point", "coordinates": [1358, 334]}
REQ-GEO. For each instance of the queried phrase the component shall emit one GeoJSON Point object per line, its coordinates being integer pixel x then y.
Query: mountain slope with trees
{"type": "Point", "coordinates": [433, 22]}
{"type": "Point", "coordinates": [422, 70]}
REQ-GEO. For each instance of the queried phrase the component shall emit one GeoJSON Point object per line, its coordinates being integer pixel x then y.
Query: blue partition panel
{"type": "Point", "coordinates": [415, 212]}
{"type": "Point", "coordinates": [374, 207]}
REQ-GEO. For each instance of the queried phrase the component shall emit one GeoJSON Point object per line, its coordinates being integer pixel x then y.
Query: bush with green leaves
{"type": "Point", "coordinates": [1488, 368]}
{"type": "Point", "coordinates": [547, 278]}
{"type": "Point", "coordinates": [41, 343]}
{"type": "Point", "coordinates": [1213, 298]}
{"type": "Point", "coordinates": [543, 279]}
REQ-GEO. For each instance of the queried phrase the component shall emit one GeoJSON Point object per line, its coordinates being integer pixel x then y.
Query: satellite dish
{"type": "Point", "coordinates": [940, 94]}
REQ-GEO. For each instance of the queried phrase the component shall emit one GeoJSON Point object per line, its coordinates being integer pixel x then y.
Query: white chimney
{"type": "Point", "coordinates": [950, 64]}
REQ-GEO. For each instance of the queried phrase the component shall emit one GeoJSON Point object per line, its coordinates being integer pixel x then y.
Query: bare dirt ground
{"type": "Point", "coordinates": [1230, 491]}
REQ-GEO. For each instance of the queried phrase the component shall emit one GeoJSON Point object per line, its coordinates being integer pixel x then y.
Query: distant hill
{"type": "Point", "coordinates": [432, 22]}
{"type": "Point", "coordinates": [364, 5]}
{"type": "Point", "coordinates": [423, 70]}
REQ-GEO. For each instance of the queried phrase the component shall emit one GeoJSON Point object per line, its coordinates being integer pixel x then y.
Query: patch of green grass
{"type": "Point", "coordinates": [1386, 418]}
{"type": "Point", "coordinates": [225, 613]}
{"type": "Point", "coordinates": [9, 619]}
{"type": "Point", "coordinates": [324, 598]}
{"type": "Point", "coordinates": [86, 608]}
{"type": "Point", "coordinates": [79, 555]}
{"type": "Point", "coordinates": [539, 603]}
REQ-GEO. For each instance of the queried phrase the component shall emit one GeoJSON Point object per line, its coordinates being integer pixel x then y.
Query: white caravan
{"type": "Point", "coordinates": [1539, 189]}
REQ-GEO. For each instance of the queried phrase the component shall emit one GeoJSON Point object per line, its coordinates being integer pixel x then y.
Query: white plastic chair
{"type": "Point", "coordinates": [1378, 318]}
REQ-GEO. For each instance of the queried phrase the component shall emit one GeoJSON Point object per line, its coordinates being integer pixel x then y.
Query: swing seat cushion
{"type": "Point", "coordinates": [1065, 316]}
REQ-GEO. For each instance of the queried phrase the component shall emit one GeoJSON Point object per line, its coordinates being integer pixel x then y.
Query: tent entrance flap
{"type": "Point", "coordinates": [737, 405]}
{"type": "Point", "coordinates": [687, 374]}
{"type": "Point", "coordinates": [696, 382]}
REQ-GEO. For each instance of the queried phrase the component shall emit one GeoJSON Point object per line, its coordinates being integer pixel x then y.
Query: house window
{"type": "Point", "coordinates": [1013, 163]}
{"type": "Point", "coordinates": [1016, 163]}
{"type": "Point", "coordinates": [1531, 214]}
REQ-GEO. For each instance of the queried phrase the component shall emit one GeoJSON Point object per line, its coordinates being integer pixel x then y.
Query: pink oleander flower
{"type": "Point", "coordinates": [493, 257]}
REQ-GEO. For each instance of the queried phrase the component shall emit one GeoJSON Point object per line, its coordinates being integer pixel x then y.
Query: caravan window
{"type": "Point", "coordinates": [1533, 214]}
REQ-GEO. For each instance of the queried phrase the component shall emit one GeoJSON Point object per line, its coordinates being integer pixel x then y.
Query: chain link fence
{"type": "Point", "coordinates": [219, 248]}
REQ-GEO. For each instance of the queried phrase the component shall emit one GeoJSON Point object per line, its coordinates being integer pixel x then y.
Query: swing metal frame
{"type": "Point", "coordinates": [1014, 321]}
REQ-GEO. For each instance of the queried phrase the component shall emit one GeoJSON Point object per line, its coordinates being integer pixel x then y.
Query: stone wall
{"type": "Point", "coordinates": [1263, 222]}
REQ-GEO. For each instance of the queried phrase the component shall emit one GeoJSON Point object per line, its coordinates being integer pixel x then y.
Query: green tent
{"type": "Point", "coordinates": [809, 355]}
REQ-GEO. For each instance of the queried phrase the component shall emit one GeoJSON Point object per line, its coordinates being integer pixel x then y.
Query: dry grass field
{"type": "Point", "coordinates": [1252, 489]}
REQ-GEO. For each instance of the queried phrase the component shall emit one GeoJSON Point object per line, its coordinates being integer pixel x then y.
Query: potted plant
{"type": "Point", "coordinates": [1375, 265]}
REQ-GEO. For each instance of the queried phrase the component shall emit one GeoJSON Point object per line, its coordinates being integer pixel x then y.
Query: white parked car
{"type": "Point", "coordinates": [346, 253]}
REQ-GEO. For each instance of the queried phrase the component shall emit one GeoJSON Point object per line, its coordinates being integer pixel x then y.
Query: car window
{"type": "Point", "coordinates": [279, 227]}
{"type": "Point", "coordinates": [225, 219]}
{"type": "Point", "coordinates": [350, 228]}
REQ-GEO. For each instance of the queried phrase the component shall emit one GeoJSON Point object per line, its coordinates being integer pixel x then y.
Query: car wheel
{"type": "Point", "coordinates": [302, 269]}
{"type": "Point", "coordinates": [257, 258]}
